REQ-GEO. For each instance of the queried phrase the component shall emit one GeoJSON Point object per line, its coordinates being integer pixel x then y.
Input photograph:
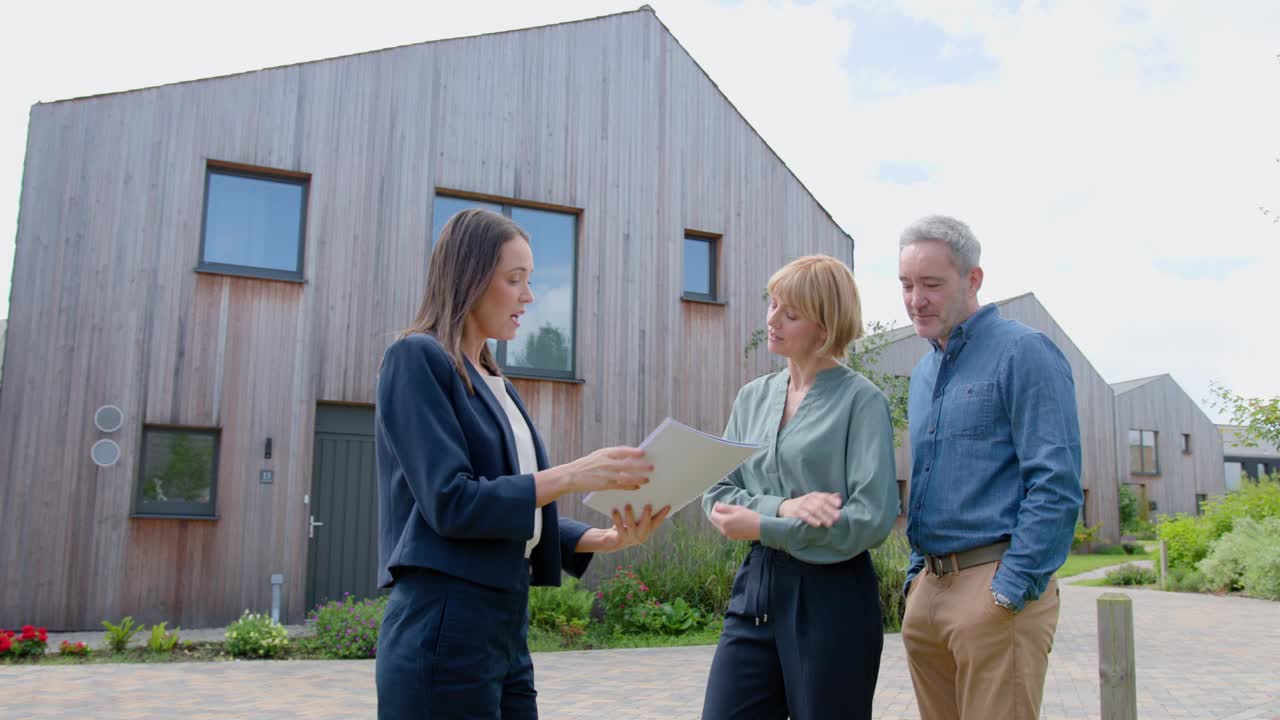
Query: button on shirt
{"type": "Point", "coordinates": [995, 447]}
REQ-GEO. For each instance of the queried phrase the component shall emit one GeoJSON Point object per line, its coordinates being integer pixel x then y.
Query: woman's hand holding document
{"type": "Point", "coordinates": [685, 463]}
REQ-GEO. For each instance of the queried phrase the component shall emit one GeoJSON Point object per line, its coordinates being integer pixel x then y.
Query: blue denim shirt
{"type": "Point", "coordinates": [995, 451]}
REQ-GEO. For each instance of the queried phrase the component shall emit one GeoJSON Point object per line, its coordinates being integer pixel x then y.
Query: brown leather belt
{"type": "Point", "coordinates": [955, 562]}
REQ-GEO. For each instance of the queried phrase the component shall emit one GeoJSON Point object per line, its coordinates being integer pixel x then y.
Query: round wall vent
{"type": "Point", "coordinates": [108, 418]}
{"type": "Point", "coordinates": [105, 453]}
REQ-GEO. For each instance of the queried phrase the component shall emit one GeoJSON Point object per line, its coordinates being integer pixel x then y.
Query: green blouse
{"type": "Point", "coordinates": [840, 440]}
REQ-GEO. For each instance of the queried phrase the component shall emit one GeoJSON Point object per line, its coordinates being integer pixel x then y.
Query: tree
{"type": "Point", "coordinates": [185, 473]}
{"type": "Point", "coordinates": [547, 349]}
{"type": "Point", "coordinates": [1260, 417]}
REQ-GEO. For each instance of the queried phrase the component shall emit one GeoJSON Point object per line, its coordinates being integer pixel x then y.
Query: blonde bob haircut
{"type": "Point", "coordinates": [821, 289]}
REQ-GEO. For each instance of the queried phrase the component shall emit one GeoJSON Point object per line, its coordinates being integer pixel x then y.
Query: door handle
{"type": "Point", "coordinates": [312, 525]}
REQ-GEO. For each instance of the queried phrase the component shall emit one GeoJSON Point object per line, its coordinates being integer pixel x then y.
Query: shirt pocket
{"type": "Point", "coordinates": [972, 410]}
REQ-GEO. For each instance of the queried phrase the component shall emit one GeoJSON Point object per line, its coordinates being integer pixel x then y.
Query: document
{"type": "Point", "coordinates": [685, 463]}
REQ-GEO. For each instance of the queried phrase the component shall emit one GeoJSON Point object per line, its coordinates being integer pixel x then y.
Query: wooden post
{"type": "Point", "coordinates": [1164, 565]}
{"type": "Point", "coordinates": [1116, 668]}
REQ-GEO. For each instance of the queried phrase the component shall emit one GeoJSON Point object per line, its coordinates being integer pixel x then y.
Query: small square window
{"type": "Point", "coordinates": [902, 497]}
{"type": "Point", "coordinates": [179, 473]}
{"type": "Point", "coordinates": [700, 257]}
{"type": "Point", "coordinates": [254, 223]}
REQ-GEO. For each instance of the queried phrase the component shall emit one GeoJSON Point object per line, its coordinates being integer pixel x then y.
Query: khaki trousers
{"type": "Point", "coordinates": [971, 659]}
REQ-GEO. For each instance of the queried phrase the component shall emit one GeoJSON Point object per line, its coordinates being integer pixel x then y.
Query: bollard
{"type": "Point", "coordinates": [276, 581]}
{"type": "Point", "coordinates": [1116, 667]}
{"type": "Point", "coordinates": [1164, 565]}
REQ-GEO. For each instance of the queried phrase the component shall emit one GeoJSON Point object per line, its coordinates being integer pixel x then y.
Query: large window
{"type": "Point", "coordinates": [254, 223]}
{"type": "Point", "coordinates": [179, 472]}
{"type": "Point", "coordinates": [1144, 457]}
{"type": "Point", "coordinates": [544, 345]}
{"type": "Point", "coordinates": [700, 257]}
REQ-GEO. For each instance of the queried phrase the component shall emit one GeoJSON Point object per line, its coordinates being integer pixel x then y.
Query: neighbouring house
{"type": "Point", "coordinates": [208, 272]}
{"type": "Point", "coordinates": [1171, 453]}
{"type": "Point", "coordinates": [1240, 460]}
{"type": "Point", "coordinates": [902, 349]}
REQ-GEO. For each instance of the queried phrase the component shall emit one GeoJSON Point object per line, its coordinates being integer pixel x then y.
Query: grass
{"type": "Point", "coordinates": [301, 648]}
{"type": "Point", "coordinates": [597, 638]}
{"type": "Point", "coordinates": [1077, 564]}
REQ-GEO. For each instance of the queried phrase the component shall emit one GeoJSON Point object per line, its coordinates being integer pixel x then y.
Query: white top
{"type": "Point", "coordinates": [524, 447]}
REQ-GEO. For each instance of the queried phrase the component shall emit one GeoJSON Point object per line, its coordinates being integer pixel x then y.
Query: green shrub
{"type": "Point", "coordinates": [161, 641]}
{"type": "Point", "coordinates": [565, 609]}
{"type": "Point", "coordinates": [349, 628]}
{"type": "Point", "coordinates": [665, 618]}
{"type": "Point", "coordinates": [117, 637]}
{"type": "Point", "coordinates": [1131, 575]}
{"type": "Point", "coordinates": [1132, 548]}
{"type": "Point", "coordinates": [1084, 535]}
{"type": "Point", "coordinates": [1187, 539]}
{"type": "Point", "coordinates": [690, 562]}
{"type": "Point", "coordinates": [890, 560]}
{"type": "Point", "coordinates": [1255, 499]}
{"type": "Point", "coordinates": [1246, 558]}
{"type": "Point", "coordinates": [1128, 502]}
{"type": "Point", "coordinates": [256, 635]}
{"type": "Point", "coordinates": [1182, 579]}
{"type": "Point", "coordinates": [1142, 530]}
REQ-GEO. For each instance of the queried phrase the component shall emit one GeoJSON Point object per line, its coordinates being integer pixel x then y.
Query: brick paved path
{"type": "Point", "coordinates": [1198, 657]}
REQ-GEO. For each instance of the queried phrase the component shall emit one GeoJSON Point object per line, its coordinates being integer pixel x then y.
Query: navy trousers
{"type": "Point", "coordinates": [800, 641]}
{"type": "Point", "coordinates": [450, 649]}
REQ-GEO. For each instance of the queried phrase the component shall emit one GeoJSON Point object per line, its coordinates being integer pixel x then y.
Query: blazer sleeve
{"type": "Point", "coordinates": [571, 561]}
{"type": "Point", "coordinates": [421, 427]}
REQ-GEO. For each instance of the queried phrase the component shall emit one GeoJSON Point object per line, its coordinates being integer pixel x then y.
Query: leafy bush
{"type": "Point", "coordinates": [161, 641]}
{"type": "Point", "coordinates": [1109, 550]}
{"type": "Point", "coordinates": [31, 643]}
{"type": "Point", "coordinates": [565, 609]}
{"type": "Point", "coordinates": [1187, 539]}
{"type": "Point", "coordinates": [1128, 502]}
{"type": "Point", "coordinates": [349, 628]}
{"type": "Point", "coordinates": [1142, 530]}
{"type": "Point", "coordinates": [665, 618]}
{"type": "Point", "coordinates": [1184, 580]}
{"type": "Point", "coordinates": [1131, 575]}
{"type": "Point", "coordinates": [117, 637]}
{"type": "Point", "coordinates": [890, 561]}
{"type": "Point", "coordinates": [256, 635]}
{"type": "Point", "coordinates": [1084, 535]}
{"type": "Point", "coordinates": [1132, 548]}
{"type": "Point", "coordinates": [75, 649]}
{"type": "Point", "coordinates": [1246, 558]}
{"type": "Point", "coordinates": [690, 562]}
{"type": "Point", "coordinates": [1255, 499]}
{"type": "Point", "coordinates": [622, 591]}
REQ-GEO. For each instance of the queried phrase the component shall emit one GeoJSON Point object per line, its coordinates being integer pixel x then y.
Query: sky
{"type": "Point", "coordinates": [1121, 159]}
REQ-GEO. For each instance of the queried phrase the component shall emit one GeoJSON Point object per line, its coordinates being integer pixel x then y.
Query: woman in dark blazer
{"type": "Point", "coordinates": [466, 501]}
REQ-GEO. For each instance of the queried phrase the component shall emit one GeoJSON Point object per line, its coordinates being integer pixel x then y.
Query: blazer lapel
{"type": "Point", "coordinates": [499, 415]}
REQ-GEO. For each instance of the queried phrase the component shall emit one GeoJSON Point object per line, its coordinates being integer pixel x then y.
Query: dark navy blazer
{"type": "Point", "coordinates": [451, 496]}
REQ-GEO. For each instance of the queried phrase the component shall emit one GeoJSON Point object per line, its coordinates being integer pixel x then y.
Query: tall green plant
{"type": "Point", "coordinates": [693, 563]}
{"type": "Point", "coordinates": [118, 636]}
{"type": "Point", "coordinates": [890, 561]}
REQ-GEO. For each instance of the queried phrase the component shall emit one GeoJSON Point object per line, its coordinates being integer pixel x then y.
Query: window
{"type": "Point", "coordinates": [1201, 499]}
{"type": "Point", "coordinates": [254, 223]}
{"type": "Point", "coordinates": [544, 345]}
{"type": "Point", "coordinates": [1144, 458]}
{"type": "Point", "coordinates": [179, 472]}
{"type": "Point", "coordinates": [700, 258]}
{"type": "Point", "coordinates": [902, 497]}
{"type": "Point", "coordinates": [1186, 443]}
{"type": "Point", "coordinates": [1084, 509]}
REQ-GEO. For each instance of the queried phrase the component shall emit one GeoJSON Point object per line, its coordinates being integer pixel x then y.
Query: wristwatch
{"type": "Point", "coordinates": [1003, 601]}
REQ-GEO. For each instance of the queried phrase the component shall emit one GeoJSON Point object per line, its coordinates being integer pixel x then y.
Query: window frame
{"type": "Point", "coordinates": [1186, 443]}
{"type": "Point", "coordinates": [249, 172]}
{"type": "Point", "coordinates": [173, 509]}
{"type": "Point", "coordinates": [500, 351]}
{"type": "Point", "coordinates": [713, 267]}
{"type": "Point", "coordinates": [1155, 452]}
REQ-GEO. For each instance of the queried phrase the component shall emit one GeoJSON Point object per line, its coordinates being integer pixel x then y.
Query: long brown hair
{"type": "Point", "coordinates": [462, 266]}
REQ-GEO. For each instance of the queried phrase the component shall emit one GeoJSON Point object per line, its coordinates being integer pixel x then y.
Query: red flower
{"type": "Point", "coordinates": [28, 632]}
{"type": "Point", "coordinates": [5, 643]}
{"type": "Point", "coordinates": [44, 636]}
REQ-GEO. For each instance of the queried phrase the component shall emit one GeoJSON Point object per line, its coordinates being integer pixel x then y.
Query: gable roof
{"type": "Point", "coordinates": [907, 331]}
{"type": "Point", "coordinates": [1121, 388]}
{"type": "Point", "coordinates": [642, 9]}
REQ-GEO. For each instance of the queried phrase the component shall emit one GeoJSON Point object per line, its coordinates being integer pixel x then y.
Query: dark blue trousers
{"type": "Point", "coordinates": [449, 648]}
{"type": "Point", "coordinates": [800, 641]}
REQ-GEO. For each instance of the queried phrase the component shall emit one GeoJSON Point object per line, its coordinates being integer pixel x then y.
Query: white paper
{"type": "Point", "coordinates": [685, 463]}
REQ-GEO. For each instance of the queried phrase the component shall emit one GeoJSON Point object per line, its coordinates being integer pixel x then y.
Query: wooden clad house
{"type": "Point", "coordinates": [902, 349]}
{"type": "Point", "coordinates": [207, 274]}
{"type": "Point", "coordinates": [1241, 459]}
{"type": "Point", "coordinates": [1170, 451]}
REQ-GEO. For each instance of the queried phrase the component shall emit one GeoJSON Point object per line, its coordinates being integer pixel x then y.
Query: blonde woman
{"type": "Point", "coordinates": [802, 633]}
{"type": "Point", "coordinates": [467, 515]}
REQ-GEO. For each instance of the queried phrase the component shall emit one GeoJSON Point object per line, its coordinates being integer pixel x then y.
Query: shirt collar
{"type": "Point", "coordinates": [975, 324]}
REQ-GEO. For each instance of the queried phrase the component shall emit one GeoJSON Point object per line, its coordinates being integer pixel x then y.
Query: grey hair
{"type": "Point", "coordinates": [965, 249]}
